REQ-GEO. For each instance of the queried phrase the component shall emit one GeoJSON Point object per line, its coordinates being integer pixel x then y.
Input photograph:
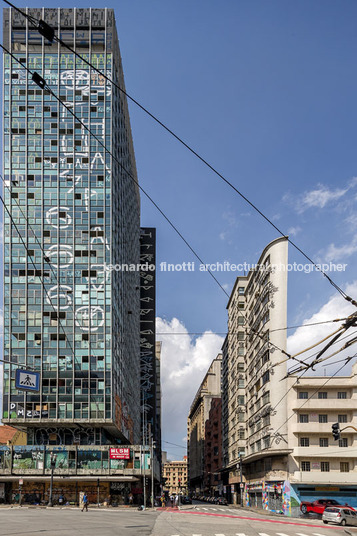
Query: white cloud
{"type": "Point", "coordinates": [304, 337]}
{"type": "Point", "coordinates": [222, 236]}
{"type": "Point", "coordinates": [184, 362]}
{"type": "Point", "coordinates": [319, 197]}
{"type": "Point", "coordinates": [340, 253]}
{"type": "Point", "coordinates": [293, 231]}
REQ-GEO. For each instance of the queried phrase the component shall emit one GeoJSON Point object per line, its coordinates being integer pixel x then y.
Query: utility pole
{"type": "Point", "coordinates": [241, 478]}
{"type": "Point", "coordinates": [98, 492]}
{"type": "Point", "coordinates": [53, 465]}
{"type": "Point", "coordinates": [152, 470]}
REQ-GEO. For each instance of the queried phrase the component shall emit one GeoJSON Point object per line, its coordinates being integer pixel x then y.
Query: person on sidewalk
{"type": "Point", "coordinates": [85, 502]}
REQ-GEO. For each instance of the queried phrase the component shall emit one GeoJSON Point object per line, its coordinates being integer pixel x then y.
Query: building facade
{"type": "Point", "coordinates": [175, 477]}
{"type": "Point", "coordinates": [71, 309]}
{"type": "Point", "coordinates": [199, 413]}
{"type": "Point", "coordinates": [213, 450]}
{"type": "Point", "coordinates": [253, 378]}
{"type": "Point", "coordinates": [320, 466]}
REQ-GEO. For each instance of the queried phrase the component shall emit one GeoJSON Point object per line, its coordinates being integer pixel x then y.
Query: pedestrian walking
{"type": "Point", "coordinates": [85, 502]}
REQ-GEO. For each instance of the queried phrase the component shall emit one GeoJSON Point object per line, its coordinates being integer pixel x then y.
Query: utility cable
{"type": "Point", "coordinates": [37, 79]}
{"type": "Point", "coordinates": [48, 32]}
{"type": "Point", "coordinates": [347, 360]}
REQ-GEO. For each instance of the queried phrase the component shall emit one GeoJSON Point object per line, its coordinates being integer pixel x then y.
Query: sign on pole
{"type": "Point", "coordinates": [27, 380]}
{"type": "Point", "coordinates": [119, 454]}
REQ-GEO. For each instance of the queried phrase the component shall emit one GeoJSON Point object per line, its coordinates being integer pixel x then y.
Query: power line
{"type": "Point", "coordinates": [347, 360]}
{"type": "Point", "coordinates": [174, 444]}
{"type": "Point", "coordinates": [223, 333]}
{"type": "Point", "coordinates": [37, 79]}
{"type": "Point", "coordinates": [49, 33]}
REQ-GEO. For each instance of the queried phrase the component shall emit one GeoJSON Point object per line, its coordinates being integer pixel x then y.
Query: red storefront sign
{"type": "Point", "coordinates": [119, 454]}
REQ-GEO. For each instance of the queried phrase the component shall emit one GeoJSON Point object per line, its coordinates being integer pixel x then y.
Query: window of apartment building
{"type": "Point", "coordinates": [322, 394]}
{"type": "Point", "coordinates": [266, 398]}
{"type": "Point", "coordinates": [241, 400]}
{"type": "Point", "coordinates": [241, 335]}
{"type": "Point", "coordinates": [241, 349]}
{"type": "Point", "coordinates": [305, 466]}
{"type": "Point", "coordinates": [344, 467]}
{"type": "Point", "coordinates": [322, 418]}
{"type": "Point", "coordinates": [241, 291]}
{"type": "Point", "coordinates": [241, 305]}
{"type": "Point", "coordinates": [266, 442]}
{"type": "Point", "coordinates": [325, 467]}
{"type": "Point", "coordinates": [259, 445]}
{"type": "Point", "coordinates": [241, 417]}
{"type": "Point", "coordinates": [265, 377]}
{"type": "Point", "coordinates": [323, 441]}
{"type": "Point", "coordinates": [304, 442]}
{"type": "Point", "coordinates": [303, 418]}
{"type": "Point", "coordinates": [303, 394]}
{"type": "Point", "coordinates": [343, 442]}
{"type": "Point", "coordinates": [342, 418]}
{"type": "Point", "coordinates": [241, 433]}
{"type": "Point", "coordinates": [342, 394]}
{"type": "Point", "coordinates": [241, 320]}
{"type": "Point", "coordinates": [240, 366]}
{"type": "Point", "coordinates": [241, 384]}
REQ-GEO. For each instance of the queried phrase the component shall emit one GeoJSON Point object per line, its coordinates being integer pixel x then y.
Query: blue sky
{"type": "Point", "coordinates": [265, 91]}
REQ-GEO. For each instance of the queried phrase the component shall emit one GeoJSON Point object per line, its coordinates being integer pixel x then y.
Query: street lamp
{"type": "Point", "coordinates": [53, 465]}
{"type": "Point", "coordinates": [153, 446]}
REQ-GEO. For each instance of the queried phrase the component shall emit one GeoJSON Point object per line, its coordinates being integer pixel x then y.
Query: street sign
{"type": "Point", "coordinates": [119, 454]}
{"type": "Point", "coordinates": [27, 380]}
{"type": "Point", "coordinates": [21, 482]}
{"type": "Point", "coordinates": [241, 485]}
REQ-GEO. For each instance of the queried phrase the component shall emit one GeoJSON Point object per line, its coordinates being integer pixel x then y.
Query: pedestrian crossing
{"type": "Point", "coordinates": [259, 534]}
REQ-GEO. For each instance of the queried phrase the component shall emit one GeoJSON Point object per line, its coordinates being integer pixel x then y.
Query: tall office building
{"type": "Point", "coordinates": [67, 313]}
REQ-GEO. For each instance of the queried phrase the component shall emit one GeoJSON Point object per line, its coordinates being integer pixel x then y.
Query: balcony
{"type": "Point", "coordinates": [326, 405]}
{"type": "Point", "coordinates": [319, 428]}
{"type": "Point", "coordinates": [318, 477]}
{"type": "Point", "coordinates": [333, 451]}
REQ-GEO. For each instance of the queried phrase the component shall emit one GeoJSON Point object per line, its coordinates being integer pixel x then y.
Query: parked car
{"type": "Point", "coordinates": [339, 514]}
{"type": "Point", "coordinates": [222, 501]}
{"type": "Point", "coordinates": [319, 506]}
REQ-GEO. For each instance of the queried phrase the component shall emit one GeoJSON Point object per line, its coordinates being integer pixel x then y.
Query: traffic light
{"type": "Point", "coordinates": [336, 431]}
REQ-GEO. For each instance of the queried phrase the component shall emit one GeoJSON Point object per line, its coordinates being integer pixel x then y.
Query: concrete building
{"type": "Point", "coordinates": [66, 315]}
{"type": "Point", "coordinates": [318, 465]}
{"type": "Point", "coordinates": [253, 380]}
{"type": "Point", "coordinates": [175, 475]}
{"type": "Point", "coordinates": [213, 449]}
{"type": "Point", "coordinates": [209, 389]}
{"type": "Point", "coordinates": [71, 297]}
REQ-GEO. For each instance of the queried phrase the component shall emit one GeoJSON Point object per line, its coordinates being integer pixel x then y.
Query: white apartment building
{"type": "Point", "coordinates": [280, 427]}
{"type": "Point", "coordinates": [253, 380]}
{"type": "Point", "coordinates": [320, 466]}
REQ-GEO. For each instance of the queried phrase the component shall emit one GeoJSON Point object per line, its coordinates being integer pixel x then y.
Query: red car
{"type": "Point", "coordinates": [319, 506]}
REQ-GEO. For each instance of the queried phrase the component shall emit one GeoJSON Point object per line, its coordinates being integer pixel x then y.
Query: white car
{"type": "Point", "coordinates": [339, 514]}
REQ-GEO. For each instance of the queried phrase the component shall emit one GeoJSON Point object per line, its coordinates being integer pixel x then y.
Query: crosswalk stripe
{"type": "Point", "coordinates": [301, 534]}
{"type": "Point", "coordinates": [222, 510]}
{"type": "Point", "coordinates": [281, 534]}
{"type": "Point", "coordinates": [318, 534]}
{"type": "Point", "coordinates": [263, 534]}
{"type": "Point", "coordinates": [240, 534]}
{"type": "Point", "coordinates": [215, 509]}
{"type": "Point", "coordinates": [219, 535]}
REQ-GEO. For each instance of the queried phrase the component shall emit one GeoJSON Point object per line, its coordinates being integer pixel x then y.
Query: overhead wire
{"type": "Point", "coordinates": [294, 411]}
{"type": "Point", "coordinates": [37, 79]}
{"type": "Point", "coordinates": [48, 32]}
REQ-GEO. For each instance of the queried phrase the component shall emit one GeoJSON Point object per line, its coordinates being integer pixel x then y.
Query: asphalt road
{"type": "Point", "coordinates": [196, 520]}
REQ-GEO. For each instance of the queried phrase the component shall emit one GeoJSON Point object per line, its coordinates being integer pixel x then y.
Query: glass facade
{"type": "Point", "coordinates": [75, 215]}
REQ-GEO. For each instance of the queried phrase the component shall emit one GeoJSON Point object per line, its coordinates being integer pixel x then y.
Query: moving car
{"type": "Point", "coordinates": [339, 514]}
{"type": "Point", "coordinates": [319, 506]}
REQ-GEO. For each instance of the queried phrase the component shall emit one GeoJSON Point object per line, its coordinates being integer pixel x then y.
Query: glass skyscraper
{"type": "Point", "coordinates": [71, 312]}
